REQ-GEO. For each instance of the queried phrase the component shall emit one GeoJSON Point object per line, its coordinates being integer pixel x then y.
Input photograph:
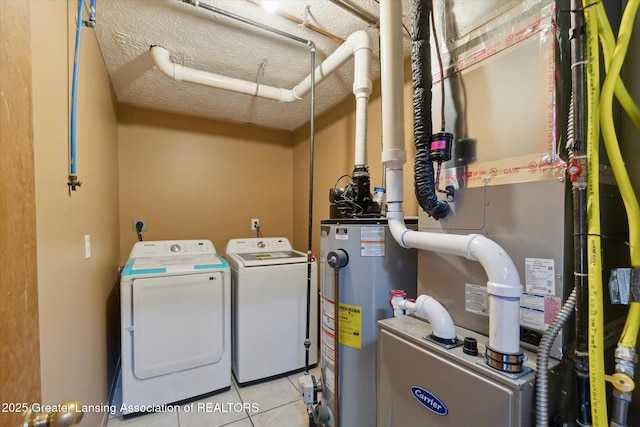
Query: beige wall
{"type": "Point", "coordinates": [73, 290]}
{"type": "Point", "coordinates": [194, 178]}
{"type": "Point", "coordinates": [160, 167]}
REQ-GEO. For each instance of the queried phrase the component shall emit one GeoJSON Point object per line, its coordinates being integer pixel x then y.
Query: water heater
{"type": "Point", "coordinates": [375, 265]}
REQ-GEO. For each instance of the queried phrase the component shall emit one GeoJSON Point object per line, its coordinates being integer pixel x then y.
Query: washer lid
{"type": "Point", "coordinates": [172, 265]}
{"type": "Point", "coordinates": [256, 259]}
{"type": "Point", "coordinates": [260, 251]}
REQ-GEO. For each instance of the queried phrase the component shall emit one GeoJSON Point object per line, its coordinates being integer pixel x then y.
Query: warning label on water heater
{"type": "Point", "coordinates": [372, 241]}
{"type": "Point", "coordinates": [350, 325]}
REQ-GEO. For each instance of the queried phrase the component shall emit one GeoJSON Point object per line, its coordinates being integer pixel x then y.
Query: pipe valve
{"type": "Point", "coordinates": [74, 182]}
{"type": "Point", "coordinates": [621, 381]}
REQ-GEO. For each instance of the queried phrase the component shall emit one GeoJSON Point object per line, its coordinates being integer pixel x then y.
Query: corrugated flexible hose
{"type": "Point", "coordinates": [425, 188]}
{"type": "Point", "coordinates": [542, 366]}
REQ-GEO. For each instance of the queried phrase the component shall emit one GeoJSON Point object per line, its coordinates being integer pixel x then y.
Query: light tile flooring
{"type": "Point", "coordinates": [275, 403]}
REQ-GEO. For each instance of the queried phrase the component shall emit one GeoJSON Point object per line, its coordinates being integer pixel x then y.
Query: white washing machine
{"type": "Point", "coordinates": [175, 329]}
{"type": "Point", "coordinates": [269, 299]}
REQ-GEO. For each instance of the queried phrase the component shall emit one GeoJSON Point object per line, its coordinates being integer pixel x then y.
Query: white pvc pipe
{"type": "Point", "coordinates": [356, 42]}
{"type": "Point", "coordinates": [430, 309]}
{"type": "Point", "coordinates": [177, 72]}
{"type": "Point", "coordinates": [357, 45]}
{"type": "Point", "coordinates": [503, 286]}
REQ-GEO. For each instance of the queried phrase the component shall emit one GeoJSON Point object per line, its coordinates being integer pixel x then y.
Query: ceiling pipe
{"type": "Point", "coordinates": [503, 286]}
{"type": "Point", "coordinates": [299, 21]}
{"type": "Point", "coordinates": [354, 11]}
{"type": "Point", "coordinates": [206, 6]}
{"type": "Point", "coordinates": [357, 45]}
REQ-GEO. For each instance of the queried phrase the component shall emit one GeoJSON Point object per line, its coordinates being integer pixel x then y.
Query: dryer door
{"type": "Point", "coordinates": [178, 323]}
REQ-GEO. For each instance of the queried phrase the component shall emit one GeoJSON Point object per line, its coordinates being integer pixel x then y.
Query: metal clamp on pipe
{"type": "Point", "coordinates": [512, 363]}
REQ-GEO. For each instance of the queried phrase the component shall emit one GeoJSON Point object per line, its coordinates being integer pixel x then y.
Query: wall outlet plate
{"type": "Point", "coordinates": [255, 224]}
{"type": "Point", "coordinates": [136, 221]}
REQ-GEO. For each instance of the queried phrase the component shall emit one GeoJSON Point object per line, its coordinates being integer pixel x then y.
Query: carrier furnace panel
{"type": "Point", "coordinates": [423, 384]}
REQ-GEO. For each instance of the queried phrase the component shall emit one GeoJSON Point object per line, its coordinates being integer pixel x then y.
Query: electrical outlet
{"type": "Point", "coordinates": [255, 224]}
{"type": "Point", "coordinates": [141, 220]}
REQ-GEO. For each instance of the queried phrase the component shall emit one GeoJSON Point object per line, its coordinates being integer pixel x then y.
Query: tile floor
{"type": "Point", "coordinates": [275, 403]}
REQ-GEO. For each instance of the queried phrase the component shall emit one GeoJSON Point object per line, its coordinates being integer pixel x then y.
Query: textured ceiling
{"type": "Point", "coordinates": [201, 39]}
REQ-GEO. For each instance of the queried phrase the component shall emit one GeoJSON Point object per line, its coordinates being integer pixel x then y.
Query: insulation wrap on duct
{"type": "Point", "coordinates": [422, 124]}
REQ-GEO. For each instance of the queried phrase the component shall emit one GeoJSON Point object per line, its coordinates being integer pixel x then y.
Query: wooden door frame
{"type": "Point", "coordinates": [19, 329]}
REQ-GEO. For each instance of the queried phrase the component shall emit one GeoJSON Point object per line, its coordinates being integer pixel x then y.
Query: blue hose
{"type": "Point", "coordinates": [74, 91]}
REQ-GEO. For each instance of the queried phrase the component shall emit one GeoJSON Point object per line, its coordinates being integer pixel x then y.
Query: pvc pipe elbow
{"type": "Point", "coordinates": [397, 227]}
{"type": "Point", "coordinates": [360, 40]}
{"type": "Point", "coordinates": [497, 264]}
{"type": "Point", "coordinates": [289, 95]}
{"type": "Point", "coordinates": [161, 59]}
{"type": "Point", "coordinates": [437, 315]}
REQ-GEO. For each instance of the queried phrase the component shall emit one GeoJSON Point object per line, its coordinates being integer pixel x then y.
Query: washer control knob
{"type": "Point", "coordinates": [470, 346]}
{"type": "Point", "coordinates": [175, 248]}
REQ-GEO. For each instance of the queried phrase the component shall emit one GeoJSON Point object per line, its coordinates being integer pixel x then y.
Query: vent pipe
{"type": "Point", "coordinates": [503, 286]}
{"type": "Point", "coordinates": [357, 45]}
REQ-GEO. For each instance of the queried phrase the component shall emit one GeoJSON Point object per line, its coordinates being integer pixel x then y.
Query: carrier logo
{"type": "Point", "coordinates": [429, 400]}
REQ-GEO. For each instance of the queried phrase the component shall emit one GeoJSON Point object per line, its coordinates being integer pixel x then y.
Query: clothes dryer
{"type": "Point", "coordinates": [175, 324]}
{"type": "Point", "coordinates": [269, 308]}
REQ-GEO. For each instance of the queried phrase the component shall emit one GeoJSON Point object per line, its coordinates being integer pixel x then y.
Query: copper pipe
{"type": "Point", "coordinates": [301, 22]}
{"type": "Point", "coordinates": [336, 260]}
{"type": "Point", "coordinates": [354, 11]}
{"type": "Point", "coordinates": [336, 344]}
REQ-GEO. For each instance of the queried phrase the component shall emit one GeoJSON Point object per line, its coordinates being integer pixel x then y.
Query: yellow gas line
{"type": "Point", "coordinates": [608, 42]}
{"type": "Point", "coordinates": [596, 335]}
{"type": "Point", "coordinates": [632, 325]}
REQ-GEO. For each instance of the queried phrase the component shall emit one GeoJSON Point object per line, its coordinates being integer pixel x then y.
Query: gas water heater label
{"type": "Point", "coordinates": [539, 276]}
{"type": "Point", "coordinates": [372, 241]}
{"type": "Point", "coordinates": [429, 400]}
{"type": "Point", "coordinates": [350, 325]}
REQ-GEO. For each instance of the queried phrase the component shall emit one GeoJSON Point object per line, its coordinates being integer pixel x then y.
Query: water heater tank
{"type": "Point", "coordinates": [376, 265]}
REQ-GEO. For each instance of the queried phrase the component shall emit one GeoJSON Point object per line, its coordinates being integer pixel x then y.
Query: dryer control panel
{"type": "Point", "coordinates": [172, 247]}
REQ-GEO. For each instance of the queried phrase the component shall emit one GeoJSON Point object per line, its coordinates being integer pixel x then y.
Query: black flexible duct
{"type": "Point", "coordinates": [422, 126]}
